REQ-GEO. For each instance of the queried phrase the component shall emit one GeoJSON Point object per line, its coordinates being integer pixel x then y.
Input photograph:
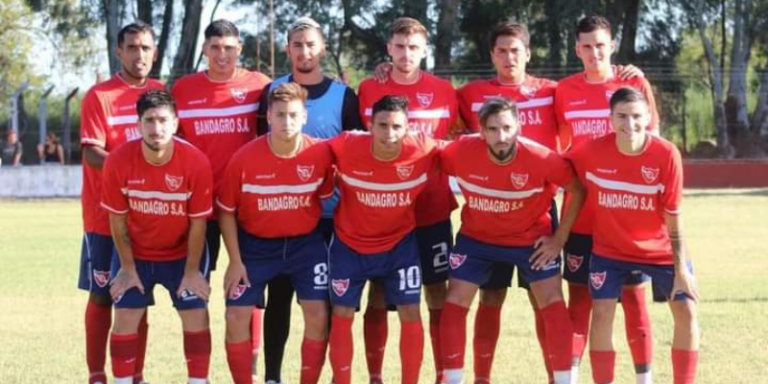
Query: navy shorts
{"type": "Point", "coordinates": [608, 276]}
{"type": "Point", "coordinates": [213, 241]}
{"type": "Point", "coordinates": [435, 242]}
{"type": "Point", "coordinates": [303, 259]}
{"type": "Point", "coordinates": [95, 263]}
{"type": "Point", "coordinates": [474, 261]}
{"type": "Point", "coordinates": [398, 269]}
{"type": "Point", "coordinates": [166, 273]}
{"type": "Point", "coordinates": [578, 252]}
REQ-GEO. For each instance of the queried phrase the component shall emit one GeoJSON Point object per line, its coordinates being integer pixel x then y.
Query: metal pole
{"type": "Point", "coordinates": [42, 117]}
{"type": "Point", "coordinates": [68, 126]}
{"type": "Point", "coordinates": [271, 39]}
{"type": "Point", "coordinates": [15, 105]}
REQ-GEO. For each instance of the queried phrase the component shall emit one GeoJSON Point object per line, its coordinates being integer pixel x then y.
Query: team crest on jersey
{"type": "Point", "coordinates": [237, 292]}
{"type": "Point", "coordinates": [101, 278]}
{"type": "Point", "coordinates": [527, 92]}
{"type": "Point", "coordinates": [340, 286]}
{"type": "Point", "coordinates": [519, 180]}
{"type": "Point", "coordinates": [425, 99]}
{"type": "Point", "coordinates": [597, 279]}
{"type": "Point", "coordinates": [574, 262]}
{"type": "Point", "coordinates": [173, 182]}
{"type": "Point", "coordinates": [405, 171]}
{"type": "Point", "coordinates": [649, 174]}
{"type": "Point", "coordinates": [305, 171]}
{"type": "Point", "coordinates": [239, 95]}
{"type": "Point", "coordinates": [456, 260]}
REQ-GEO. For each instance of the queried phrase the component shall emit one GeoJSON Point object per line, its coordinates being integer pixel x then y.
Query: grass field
{"type": "Point", "coordinates": [41, 311]}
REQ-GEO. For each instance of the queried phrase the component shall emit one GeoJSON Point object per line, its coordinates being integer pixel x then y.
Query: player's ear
{"type": "Point", "coordinates": [269, 116]}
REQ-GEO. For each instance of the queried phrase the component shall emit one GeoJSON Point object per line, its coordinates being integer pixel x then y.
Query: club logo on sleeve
{"type": "Point", "coordinates": [404, 171]}
{"type": "Point", "coordinates": [239, 95]}
{"type": "Point", "coordinates": [456, 260]}
{"type": "Point", "coordinates": [597, 279]}
{"type": "Point", "coordinates": [649, 174]}
{"type": "Point", "coordinates": [173, 182]}
{"type": "Point", "coordinates": [519, 180]}
{"type": "Point", "coordinates": [237, 292]}
{"type": "Point", "coordinates": [574, 262]}
{"type": "Point", "coordinates": [340, 286]}
{"type": "Point", "coordinates": [305, 171]}
{"type": "Point", "coordinates": [425, 99]}
{"type": "Point", "coordinates": [101, 278]}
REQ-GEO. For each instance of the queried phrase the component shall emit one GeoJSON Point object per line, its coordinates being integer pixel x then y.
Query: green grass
{"type": "Point", "coordinates": [41, 321]}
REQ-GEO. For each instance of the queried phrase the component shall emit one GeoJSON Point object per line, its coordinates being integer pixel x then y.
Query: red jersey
{"type": "Point", "coordinates": [506, 205]}
{"type": "Point", "coordinates": [630, 196]}
{"type": "Point", "coordinates": [277, 196]}
{"type": "Point", "coordinates": [158, 199]}
{"type": "Point", "coordinates": [376, 210]}
{"type": "Point", "coordinates": [432, 109]}
{"type": "Point", "coordinates": [583, 113]}
{"type": "Point", "coordinates": [107, 119]}
{"type": "Point", "coordinates": [218, 117]}
{"type": "Point", "coordinates": [535, 100]}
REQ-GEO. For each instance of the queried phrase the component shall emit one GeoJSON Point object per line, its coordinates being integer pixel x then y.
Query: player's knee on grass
{"type": "Point", "coordinates": [461, 292]}
{"type": "Point", "coordinates": [194, 320]}
{"type": "Point", "coordinates": [409, 313]}
{"type": "Point", "coordinates": [100, 300]}
{"type": "Point", "coordinates": [342, 311]}
{"type": "Point", "coordinates": [686, 324]}
{"type": "Point", "coordinates": [547, 291]}
{"type": "Point", "coordinates": [127, 320]}
{"type": "Point", "coordinates": [435, 294]}
{"type": "Point", "coordinates": [493, 297]}
{"type": "Point", "coordinates": [238, 323]}
{"type": "Point", "coordinates": [376, 296]}
{"type": "Point", "coordinates": [315, 319]}
{"type": "Point", "coordinates": [601, 328]}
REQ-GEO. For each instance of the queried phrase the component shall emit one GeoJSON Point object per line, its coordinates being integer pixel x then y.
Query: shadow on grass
{"type": "Point", "coordinates": [739, 300]}
{"type": "Point", "coordinates": [727, 192]}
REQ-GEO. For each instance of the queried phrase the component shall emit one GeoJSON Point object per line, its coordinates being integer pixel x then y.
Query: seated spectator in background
{"type": "Point", "coordinates": [11, 150]}
{"type": "Point", "coordinates": [51, 152]}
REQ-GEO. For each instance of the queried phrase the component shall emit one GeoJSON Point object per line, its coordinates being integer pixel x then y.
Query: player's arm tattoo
{"type": "Point", "coordinates": [678, 248]}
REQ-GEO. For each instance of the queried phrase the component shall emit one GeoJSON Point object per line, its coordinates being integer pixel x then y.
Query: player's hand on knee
{"type": "Point", "coordinates": [235, 274]}
{"type": "Point", "coordinates": [123, 281]}
{"type": "Point", "coordinates": [196, 284]}
{"type": "Point", "coordinates": [547, 249]}
{"type": "Point", "coordinates": [685, 282]}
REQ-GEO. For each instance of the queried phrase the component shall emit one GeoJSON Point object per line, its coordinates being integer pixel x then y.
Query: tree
{"type": "Point", "coordinates": [184, 62]}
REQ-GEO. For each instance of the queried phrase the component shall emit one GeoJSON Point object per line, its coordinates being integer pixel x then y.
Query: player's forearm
{"type": "Point", "coordinates": [675, 232]}
{"type": "Point", "coordinates": [578, 193]}
{"type": "Point", "coordinates": [94, 156]}
{"type": "Point", "coordinates": [195, 244]}
{"type": "Point", "coordinates": [119, 227]}
{"type": "Point", "coordinates": [228, 227]}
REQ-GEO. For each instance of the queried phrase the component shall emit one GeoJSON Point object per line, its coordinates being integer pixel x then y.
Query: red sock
{"type": "Point", "coordinates": [559, 335]}
{"type": "Point", "coordinates": [453, 335]}
{"type": "Point", "coordinates": [375, 333]}
{"type": "Point", "coordinates": [411, 350]}
{"type": "Point", "coordinates": [541, 335]}
{"type": "Point", "coordinates": [312, 360]}
{"type": "Point", "coordinates": [487, 328]}
{"type": "Point", "coordinates": [341, 349]}
{"type": "Point", "coordinates": [579, 307]}
{"type": "Point", "coordinates": [239, 361]}
{"type": "Point", "coordinates": [256, 330]}
{"type": "Point", "coordinates": [98, 321]}
{"type": "Point", "coordinates": [637, 325]}
{"type": "Point", "coordinates": [603, 363]}
{"type": "Point", "coordinates": [197, 350]}
{"type": "Point", "coordinates": [122, 350]}
{"type": "Point", "coordinates": [684, 365]}
{"type": "Point", "coordinates": [434, 336]}
{"type": "Point", "coordinates": [141, 351]}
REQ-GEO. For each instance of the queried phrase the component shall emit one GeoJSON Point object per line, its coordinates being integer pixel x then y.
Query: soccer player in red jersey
{"type": "Point", "coordinates": [508, 182]}
{"type": "Point", "coordinates": [381, 174]}
{"type": "Point", "coordinates": [634, 181]}
{"type": "Point", "coordinates": [108, 119]}
{"type": "Point", "coordinates": [158, 191]}
{"type": "Point", "coordinates": [433, 110]}
{"type": "Point", "coordinates": [270, 202]}
{"type": "Point", "coordinates": [217, 115]}
{"type": "Point", "coordinates": [583, 113]}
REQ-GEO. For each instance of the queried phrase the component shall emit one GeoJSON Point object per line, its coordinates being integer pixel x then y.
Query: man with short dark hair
{"type": "Point", "coordinates": [11, 150]}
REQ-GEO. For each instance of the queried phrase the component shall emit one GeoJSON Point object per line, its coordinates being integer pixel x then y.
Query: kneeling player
{"type": "Point", "coordinates": [508, 182]}
{"type": "Point", "coordinates": [270, 208]}
{"type": "Point", "coordinates": [158, 194]}
{"type": "Point", "coordinates": [634, 182]}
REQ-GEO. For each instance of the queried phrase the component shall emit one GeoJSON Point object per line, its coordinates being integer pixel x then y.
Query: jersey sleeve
{"type": "Point", "coordinates": [112, 197]}
{"type": "Point", "coordinates": [93, 121]}
{"type": "Point", "coordinates": [201, 188]}
{"type": "Point", "coordinates": [560, 171]}
{"type": "Point", "coordinates": [577, 162]}
{"type": "Point", "coordinates": [446, 155]}
{"type": "Point", "coordinates": [456, 126]}
{"type": "Point", "coordinates": [672, 196]}
{"type": "Point", "coordinates": [262, 126]}
{"type": "Point", "coordinates": [228, 198]}
{"type": "Point", "coordinates": [350, 112]}
{"type": "Point", "coordinates": [647, 90]}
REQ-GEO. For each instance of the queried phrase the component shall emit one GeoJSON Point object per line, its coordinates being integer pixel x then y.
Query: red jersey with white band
{"type": "Point", "coordinates": [158, 199]}
{"type": "Point", "coordinates": [107, 119]}
{"type": "Point", "coordinates": [630, 196]}
{"type": "Point", "coordinates": [535, 100]}
{"type": "Point", "coordinates": [583, 113]}
{"type": "Point", "coordinates": [218, 117]}
{"type": "Point", "coordinates": [432, 109]}
{"type": "Point", "coordinates": [277, 196]}
{"type": "Point", "coordinates": [506, 205]}
{"type": "Point", "coordinates": [376, 210]}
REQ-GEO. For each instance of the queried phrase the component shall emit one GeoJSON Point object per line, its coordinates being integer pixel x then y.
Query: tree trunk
{"type": "Point", "coordinates": [736, 102]}
{"type": "Point", "coordinates": [557, 42]}
{"type": "Point", "coordinates": [446, 23]}
{"type": "Point", "coordinates": [112, 12]}
{"type": "Point", "coordinates": [162, 44]}
{"type": "Point", "coordinates": [144, 9]}
{"type": "Point", "coordinates": [627, 52]}
{"type": "Point", "coordinates": [185, 56]}
{"type": "Point", "coordinates": [759, 124]}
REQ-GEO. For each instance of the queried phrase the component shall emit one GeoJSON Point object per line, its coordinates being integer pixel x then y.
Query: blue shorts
{"type": "Point", "coordinates": [435, 242]}
{"type": "Point", "coordinates": [213, 241]}
{"type": "Point", "coordinates": [608, 276]}
{"type": "Point", "coordinates": [398, 269]}
{"type": "Point", "coordinates": [95, 263]}
{"type": "Point", "coordinates": [303, 259]}
{"type": "Point", "coordinates": [474, 261]}
{"type": "Point", "coordinates": [166, 273]}
{"type": "Point", "coordinates": [578, 252]}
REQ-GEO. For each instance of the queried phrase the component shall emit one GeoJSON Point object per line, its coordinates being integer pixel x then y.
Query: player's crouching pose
{"type": "Point", "coordinates": [270, 208]}
{"type": "Point", "coordinates": [508, 182]}
{"type": "Point", "coordinates": [634, 181]}
{"type": "Point", "coordinates": [158, 194]}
